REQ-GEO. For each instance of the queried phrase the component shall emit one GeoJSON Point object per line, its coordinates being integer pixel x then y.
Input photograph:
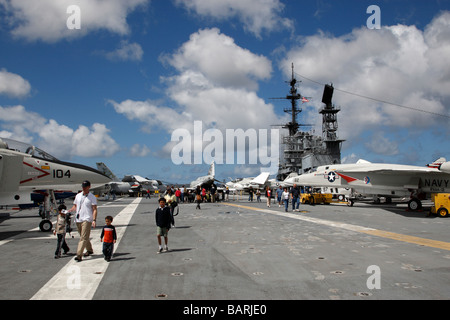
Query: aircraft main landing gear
{"type": "Point", "coordinates": [414, 204]}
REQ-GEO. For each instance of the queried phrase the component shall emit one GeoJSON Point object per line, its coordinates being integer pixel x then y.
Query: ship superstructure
{"type": "Point", "coordinates": [302, 150]}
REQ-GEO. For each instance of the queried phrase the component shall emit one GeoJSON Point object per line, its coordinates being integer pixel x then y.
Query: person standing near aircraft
{"type": "Point", "coordinates": [250, 194]}
{"type": "Point", "coordinates": [295, 192]}
{"type": "Point", "coordinates": [163, 222]}
{"type": "Point", "coordinates": [182, 190]}
{"type": "Point", "coordinates": [85, 206]}
{"type": "Point", "coordinates": [279, 194]}
{"type": "Point", "coordinates": [227, 194]}
{"type": "Point", "coordinates": [198, 197]}
{"type": "Point", "coordinates": [203, 194]}
{"type": "Point", "coordinates": [108, 237]}
{"type": "Point", "coordinates": [285, 197]}
{"type": "Point", "coordinates": [60, 231]}
{"type": "Point", "coordinates": [171, 200]}
{"type": "Point", "coordinates": [268, 195]}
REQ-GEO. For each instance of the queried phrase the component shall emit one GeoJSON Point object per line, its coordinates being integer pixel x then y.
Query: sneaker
{"type": "Point", "coordinates": [166, 249]}
{"type": "Point", "coordinates": [160, 250]}
{"type": "Point", "coordinates": [78, 258]}
{"type": "Point", "coordinates": [88, 253]}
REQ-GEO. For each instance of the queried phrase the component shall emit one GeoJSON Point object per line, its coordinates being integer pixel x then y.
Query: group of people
{"type": "Point", "coordinates": [284, 195]}
{"type": "Point", "coordinates": [252, 192]}
{"type": "Point", "coordinates": [85, 210]}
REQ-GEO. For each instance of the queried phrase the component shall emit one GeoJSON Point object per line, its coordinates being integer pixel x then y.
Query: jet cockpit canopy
{"type": "Point", "coordinates": [27, 148]}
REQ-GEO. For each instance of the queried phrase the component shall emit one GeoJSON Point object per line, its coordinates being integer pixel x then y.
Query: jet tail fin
{"type": "Point", "coordinates": [262, 178]}
{"type": "Point", "coordinates": [437, 163]}
{"type": "Point", "coordinates": [106, 171]}
{"type": "Point", "coordinates": [212, 170]}
{"type": "Point", "coordinates": [291, 175]}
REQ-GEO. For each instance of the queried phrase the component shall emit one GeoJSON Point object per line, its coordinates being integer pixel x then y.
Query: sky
{"type": "Point", "coordinates": [152, 87]}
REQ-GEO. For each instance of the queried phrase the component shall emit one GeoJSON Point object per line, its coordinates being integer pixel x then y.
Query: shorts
{"type": "Point", "coordinates": [162, 231]}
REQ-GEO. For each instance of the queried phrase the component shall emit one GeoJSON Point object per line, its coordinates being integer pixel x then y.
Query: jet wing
{"type": "Point", "coordinates": [261, 179]}
{"type": "Point", "coordinates": [141, 179]}
{"type": "Point", "coordinates": [390, 171]}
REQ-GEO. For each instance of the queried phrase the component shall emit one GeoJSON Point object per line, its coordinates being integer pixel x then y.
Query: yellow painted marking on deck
{"type": "Point", "coordinates": [411, 239]}
{"type": "Point", "coordinates": [370, 231]}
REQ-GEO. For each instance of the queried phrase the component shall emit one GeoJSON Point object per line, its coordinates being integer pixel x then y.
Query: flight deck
{"type": "Point", "coordinates": [236, 250]}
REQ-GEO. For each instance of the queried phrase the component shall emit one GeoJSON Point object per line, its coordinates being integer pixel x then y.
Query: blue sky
{"type": "Point", "coordinates": [117, 88]}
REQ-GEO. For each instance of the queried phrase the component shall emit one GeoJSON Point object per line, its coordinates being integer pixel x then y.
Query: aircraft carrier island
{"type": "Point", "coordinates": [304, 151]}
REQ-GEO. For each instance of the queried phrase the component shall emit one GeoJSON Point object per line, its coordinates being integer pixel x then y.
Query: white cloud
{"type": "Point", "coordinates": [16, 119]}
{"type": "Point", "coordinates": [217, 77]}
{"type": "Point", "coordinates": [61, 141]}
{"type": "Point", "coordinates": [46, 20]}
{"type": "Point", "coordinates": [399, 64]}
{"type": "Point", "coordinates": [150, 114]}
{"type": "Point", "coordinates": [93, 142]}
{"type": "Point", "coordinates": [351, 158]}
{"type": "Point", "coordinates": [126, 52]}
{"type": "Point", "coordinates": [220, 60]}
{"type": "Point", "coordinates": [13, 85]}
{"type": "Point", "coordinates": [137, 150]}
{"type": "Point", "coordinates": [256, 15]}
{"type": "Point", "coordinates": [380, 144]}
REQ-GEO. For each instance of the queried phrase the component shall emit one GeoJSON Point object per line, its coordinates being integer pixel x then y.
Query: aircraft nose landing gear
{"type": "Point", "coordinates": [45, 225]}
{"type": "Point", "coordinates": [49, 204]}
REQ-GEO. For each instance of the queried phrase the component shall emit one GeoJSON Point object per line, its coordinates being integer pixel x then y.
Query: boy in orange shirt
{"type": "Point", "coordinates": [108, 237]}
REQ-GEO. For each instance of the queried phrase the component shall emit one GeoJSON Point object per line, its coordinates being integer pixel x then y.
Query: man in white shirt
{"type": "Point", "coordinates": [85, 207]}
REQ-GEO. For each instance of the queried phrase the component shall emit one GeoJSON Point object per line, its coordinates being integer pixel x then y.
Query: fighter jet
{"type": "Point", "coordinates": [128, 184]}
{"type": "Point", "coordinates": [207, 180]}
{"type": "Point", "coordinates": [26, 169]}
{"type": "Point", "coordinates": [391, 180]}
{"type": "Point", "coordinates": [244, 184]}
{"type": "Point", "coordinates": [131, 184]}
